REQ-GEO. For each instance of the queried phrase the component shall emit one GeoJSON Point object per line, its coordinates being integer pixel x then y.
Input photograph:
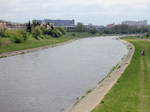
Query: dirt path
{"type": "Point", "coordinates": [92, 99]}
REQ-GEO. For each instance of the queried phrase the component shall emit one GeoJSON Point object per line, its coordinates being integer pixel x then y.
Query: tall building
{"type": "Point", "coordinates": [135, 23]}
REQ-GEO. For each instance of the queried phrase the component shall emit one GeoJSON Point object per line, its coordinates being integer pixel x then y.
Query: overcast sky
{"type": "Point", "coordinates": [100, 12]}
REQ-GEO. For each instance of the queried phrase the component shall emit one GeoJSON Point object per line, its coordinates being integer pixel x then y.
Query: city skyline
{"type": "Point", "coordinates": [99, 12]}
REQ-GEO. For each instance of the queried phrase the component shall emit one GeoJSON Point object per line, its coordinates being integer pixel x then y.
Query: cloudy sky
{"type": "Point", "coordinates": [99, 12]}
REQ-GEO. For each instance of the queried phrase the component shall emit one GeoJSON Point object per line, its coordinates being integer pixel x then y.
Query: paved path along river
{"type": "Point", "coordinates": [50, 80]}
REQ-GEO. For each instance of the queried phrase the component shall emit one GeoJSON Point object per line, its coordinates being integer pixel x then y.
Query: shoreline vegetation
{"type": "Point", "coordinates": [32, 44]}
{"type": "Point", "coordinates": [37, 35]}
{"type": "Point", "coordinates": [96, 95]}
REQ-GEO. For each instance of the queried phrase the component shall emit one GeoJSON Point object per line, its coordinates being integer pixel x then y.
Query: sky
{"type": "Point", "coordinates": [98, 12]}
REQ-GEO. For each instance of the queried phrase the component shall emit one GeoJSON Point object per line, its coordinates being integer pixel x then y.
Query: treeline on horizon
{"type": "Point", "coordinates": [116, 29]}
{"type": "Point", "coordinates": [125, 29]}
{"type": "Point", "coordinates": [45, 31]}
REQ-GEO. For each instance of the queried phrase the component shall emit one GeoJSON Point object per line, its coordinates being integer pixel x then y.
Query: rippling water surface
{"type": "Point", "coordinates": [50, 80]}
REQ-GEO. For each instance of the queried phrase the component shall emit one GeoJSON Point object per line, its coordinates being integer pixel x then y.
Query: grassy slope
{"type": "Point", "coordinates": [132, 92]}
{"type": "Point", "coordinates": [33, 43]}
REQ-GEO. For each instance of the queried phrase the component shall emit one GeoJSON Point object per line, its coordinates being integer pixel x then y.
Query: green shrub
{"type": "Point", "coordinates": [73, 34]}
{"type": "Point", "coordinates": [23, 34]}
{"type": "Point", "coordinates": [43, 29]}
{"type": "Point", "coordinates": [93, 31]}
{"type": "Point", "coordinates": [148, 35]}
{"type": "Point", "coordinates": [56, 33]}
{"type": "Point", "coordinates": [2, 32]}
{"type": "Point", "coordinates": [17, 39]}
{"type": "Point", "coordinates": [17, 36]}
{"type": "Point", "coordinates": [8, 33]}
{"type": "Point", "coordinates": [37, 31]}
{"type": "Point", "coordinates": [62, 30]}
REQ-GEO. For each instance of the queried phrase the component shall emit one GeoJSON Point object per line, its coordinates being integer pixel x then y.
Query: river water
{"type": "Point", "coordinates": [50, 80]}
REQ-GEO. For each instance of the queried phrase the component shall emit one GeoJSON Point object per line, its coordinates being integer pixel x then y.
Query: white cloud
{"type": "Point", "coordinates": [88, 11]}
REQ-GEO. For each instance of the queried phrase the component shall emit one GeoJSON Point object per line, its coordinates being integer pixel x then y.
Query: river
{"type": "Point", "coordinates": [50, 80]}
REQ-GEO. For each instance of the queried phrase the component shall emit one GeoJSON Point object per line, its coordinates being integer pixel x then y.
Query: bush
{"type": "Point", "coordinates": [93, 31]}
{"type": "Point", "coordinates": [73, 34]}
{"type": "Point", "coordinates": [17, 36]}
{"type": "Point", "coordinates": [62, 30]}
{"type": "Point", "coordinates": [56, 33]}
{"type": "Point", "coordinates": [148, 35]}
{"type": "Point", "coordinates": [8, 33]}
{"type": "Point", "coordinates": [37, 31]}
{"type": "Point", "coordinates": [23, 34]}
{"type": "Point", "coordinates": [2, 32]}
{"type": "Point", "coordinates": [40, 32]}
{"type": "Point", "coordinates": [17, 39]}
{"type": "Point", "coordinates": [43, 29]}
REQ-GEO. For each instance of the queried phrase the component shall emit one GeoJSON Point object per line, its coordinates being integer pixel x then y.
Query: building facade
{"type": "Point", "coordinates": [63, 23]}
{"type": "Point", "coordinates": [135, 23]}
{"type": "Point", "coordinates": [11, 26]}
{"type": "Point", "coordinates": [91, 26]}
{"type": "Point", "coordinates": [3, 24]}
{"type": "Point", "coordinates": [110, 25]}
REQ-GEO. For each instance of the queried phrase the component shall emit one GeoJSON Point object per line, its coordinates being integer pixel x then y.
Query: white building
{"type": "Point", "coordinates": [135, 23]}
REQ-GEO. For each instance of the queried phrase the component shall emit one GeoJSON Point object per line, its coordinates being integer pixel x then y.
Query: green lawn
{"type": "Point", "coordinates": [8, 46]}
{"type": "Point", "coordinates": [132, 92]}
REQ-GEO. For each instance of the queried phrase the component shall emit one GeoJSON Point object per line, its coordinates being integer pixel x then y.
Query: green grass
{"type": "Point", "coordinates": [7, 46]}
{"type": "Point", "coordinates": [132, 93]}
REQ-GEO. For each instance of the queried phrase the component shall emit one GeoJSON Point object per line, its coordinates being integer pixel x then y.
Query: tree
{"type": "Point", "coordinates": [80, 27]}
{"type": "Point", "coordinates": [29, 27]}
{"type": "Point", "coordinates": [34, 22]}
{"type": "Point", "coordinates": [52, 27]}
{"type": "Point", "coordinates": [93, 31]}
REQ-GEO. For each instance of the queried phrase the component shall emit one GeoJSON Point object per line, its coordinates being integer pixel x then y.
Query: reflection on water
{"type": "Point", "coordinates": [50, 80]}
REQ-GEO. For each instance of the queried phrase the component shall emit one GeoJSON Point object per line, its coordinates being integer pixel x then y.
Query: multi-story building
{"type": "Point", "coordinates": [12, 26]}
{"type": "Point", "coordinates": [110, 25]}
{"type": "Point", "coordinates": [135, 23]}
{"type": "Point", "coordinates": [64, 23]}
{"type": "Point", "coordinates": [3, 24]}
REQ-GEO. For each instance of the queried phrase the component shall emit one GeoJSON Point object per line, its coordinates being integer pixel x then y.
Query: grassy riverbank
{"type": "Point", "coordinates": [132, 91]}
{"type": "Point", "coordinates": [8, 46]}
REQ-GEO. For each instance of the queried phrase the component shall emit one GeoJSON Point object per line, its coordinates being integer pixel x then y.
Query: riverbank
{"type": "Point", "coordinates": [132, 92]}
{"type": "Point", "coordinates": [35, 45]}
{"type": "Point", "coordinates": [92, 99]}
